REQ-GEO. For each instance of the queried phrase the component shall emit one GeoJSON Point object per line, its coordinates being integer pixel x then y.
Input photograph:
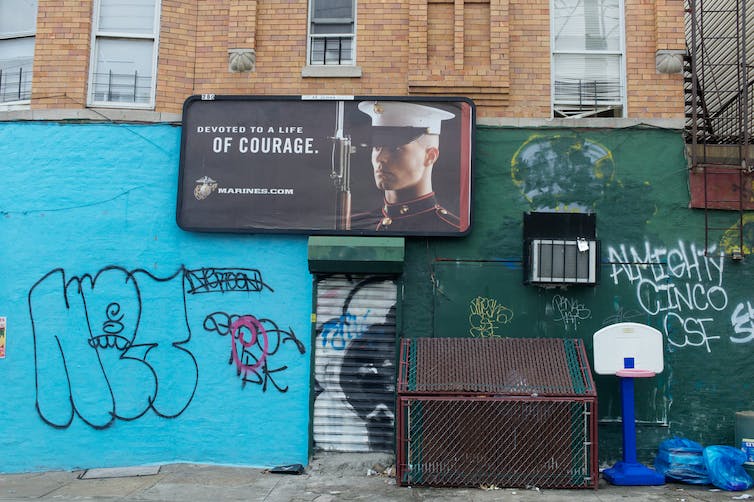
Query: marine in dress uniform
{"type": "Point", "coordinates": [405, 147]}
{"type": "Point", "coordinates": [424, 214]}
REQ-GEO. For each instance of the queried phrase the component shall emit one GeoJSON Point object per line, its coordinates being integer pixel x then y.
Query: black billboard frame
{"type": "Point", "coordinates": [470, 151]}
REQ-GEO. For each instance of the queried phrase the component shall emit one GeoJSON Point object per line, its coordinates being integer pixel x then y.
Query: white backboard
{"type": "Point", "coordinates": [627, 340]}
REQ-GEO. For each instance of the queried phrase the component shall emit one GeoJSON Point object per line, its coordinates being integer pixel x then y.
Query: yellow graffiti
{"type": "Point", "coordinates": [486, 315]}
{"type": "Point", "coordinates": [730, 242]}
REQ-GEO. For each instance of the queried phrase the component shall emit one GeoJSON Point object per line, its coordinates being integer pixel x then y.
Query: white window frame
{"type": "Point", "coordinates": [621, 52]}
{"type": "Point", "coordinates": [310, 36]}
{"type": "Point", "coordinates": [18, 35]}
{"type": "Point", "coordinates": [101, 34]}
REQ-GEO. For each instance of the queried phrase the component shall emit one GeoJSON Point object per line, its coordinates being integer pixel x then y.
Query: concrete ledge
{"type": "Point", "coordinates": [148, 116]}
{"type": "Point", "coordinates": [606, 123]}
{"type": "Point", "coordinates": [91, 114]}
{"type": "Point", "coordinates": [331, 71]}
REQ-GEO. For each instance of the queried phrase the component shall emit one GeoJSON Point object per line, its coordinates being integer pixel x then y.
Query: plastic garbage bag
{"type": "Point", "coordinates": [681, 460]}
{"type": "Point", "coordinates": [725, 468]}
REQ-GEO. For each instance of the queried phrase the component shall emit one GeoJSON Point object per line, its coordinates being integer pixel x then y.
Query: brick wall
{"type": "Point", "coordinates": [178, 43]}
{"type": "Point", "coordinates": [654, 25]}
{"type": "Point", "coordinates": [61, 54]}
{"type": "Point", "coordinates": [494, 51]}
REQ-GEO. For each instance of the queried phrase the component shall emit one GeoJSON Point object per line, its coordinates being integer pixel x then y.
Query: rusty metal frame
{"type": "Point", "coordinates": [469, 384]}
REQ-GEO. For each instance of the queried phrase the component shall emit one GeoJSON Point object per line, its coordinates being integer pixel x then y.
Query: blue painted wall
{"type": "Point", "coordinates": [130, 341]}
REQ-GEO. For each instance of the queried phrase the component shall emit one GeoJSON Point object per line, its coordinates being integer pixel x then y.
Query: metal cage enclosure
{"type": "Point", "coordinates": [512, 412]}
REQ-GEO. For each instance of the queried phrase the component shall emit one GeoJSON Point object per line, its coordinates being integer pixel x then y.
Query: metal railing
{"type": "Point", "coordinates": [582, 98]}
{"type": "Point", "coordinates": [122, 87]}
{"type": "Point", "coordinates": [587, 92]}
{"type": "Point", "coordinates": [330, 49]}
{"type": "Point", "coordinates": [15, 85]}
{"type": "Point", "coordinates": [720, 73]}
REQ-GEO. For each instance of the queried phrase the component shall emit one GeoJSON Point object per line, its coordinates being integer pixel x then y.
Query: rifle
{"type": "Point", "coordinates": [341, 172]}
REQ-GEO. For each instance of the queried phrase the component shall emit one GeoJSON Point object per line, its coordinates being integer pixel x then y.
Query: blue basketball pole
{"type": "Point", "coordinates": [630, 471]}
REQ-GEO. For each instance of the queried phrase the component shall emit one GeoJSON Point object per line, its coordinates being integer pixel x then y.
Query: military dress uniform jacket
{"type": "Point", "coordinates": [424, 214]}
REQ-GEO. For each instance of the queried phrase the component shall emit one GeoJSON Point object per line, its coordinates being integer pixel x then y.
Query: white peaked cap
{"type": "Point", "coordinates": [403, 114]}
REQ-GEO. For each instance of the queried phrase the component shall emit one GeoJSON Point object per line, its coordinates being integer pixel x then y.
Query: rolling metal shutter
{"type": "Point", "coordinates": [354, 354]}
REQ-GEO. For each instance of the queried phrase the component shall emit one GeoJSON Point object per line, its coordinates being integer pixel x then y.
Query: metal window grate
{"type": "Point", "coordinates": [563, 261]}
{"type": "Point", "coordinates": [15, 85]}
{"type": "Point", "coordinates": [331, 50]}
{"type": "Point", "coordinates": [507, 411]}
{"type": "Point", "coordinates": [588, 92]}
{"type": "Point", "coordinates": [122, 87]}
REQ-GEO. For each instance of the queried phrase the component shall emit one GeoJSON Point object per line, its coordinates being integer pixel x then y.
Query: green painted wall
{"type": "Point", "coordinates": [653, 271]}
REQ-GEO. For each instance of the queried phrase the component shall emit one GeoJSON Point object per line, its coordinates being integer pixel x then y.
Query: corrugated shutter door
{"type": "Point", "coordinates": [354, 358]}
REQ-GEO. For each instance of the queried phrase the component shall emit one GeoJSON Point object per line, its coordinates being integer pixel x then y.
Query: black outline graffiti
{"type": "Point", "coordinates": [220, 323]}
{"type": "Point", "coordinates": [118, 330]}
{"type": "Point", "coordinates": [109, 337]}
{"type": "Point", "coordinates": [222, 280]}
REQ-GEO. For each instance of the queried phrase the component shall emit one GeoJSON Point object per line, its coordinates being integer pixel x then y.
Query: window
{"type": "Point", "coordinates": [124, 53]}
{"type": "Point", "coordinates": [587, 58]}
{"type": "Point", "coordinates": [18, 25]}
{"type": "Point", "coordinates": [332, 32]}
{"type": "Point", "coordinates": [560, 248]}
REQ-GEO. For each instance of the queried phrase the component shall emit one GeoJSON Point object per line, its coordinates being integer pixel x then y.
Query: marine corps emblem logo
{"type": "Point", "coordinates": [205, 187]}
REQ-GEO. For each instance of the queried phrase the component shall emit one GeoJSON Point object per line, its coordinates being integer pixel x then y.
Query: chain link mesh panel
{"type": "Point", "coordinates": [508, 412]}
{"type": "Point", "coordinates": [514, 442]}
{"type": "Point", "coordinates": [510, 366]}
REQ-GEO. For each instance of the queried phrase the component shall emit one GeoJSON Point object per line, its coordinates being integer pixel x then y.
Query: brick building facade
{"type": "Point", "coordinates": [497, 52]}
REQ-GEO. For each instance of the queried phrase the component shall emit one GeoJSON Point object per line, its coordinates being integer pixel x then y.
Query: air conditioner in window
{"type": "Point", "coordinates": [561, 261]}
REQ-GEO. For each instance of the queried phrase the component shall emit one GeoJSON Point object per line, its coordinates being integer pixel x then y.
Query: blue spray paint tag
{"type": "Point", "coordinates": [747, 446]}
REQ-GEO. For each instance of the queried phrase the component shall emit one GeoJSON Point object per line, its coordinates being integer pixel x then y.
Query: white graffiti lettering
{"type": "Point", "coordinates": [684, 262]}
{"type": "Point", "coordinates": [743, 323]}
{"type": "Point", "coordinates": [684, 332]}
{"type": "Point", "coordinates": [569, 312]}
{"type": "Point", "coordinates": [678, 284]}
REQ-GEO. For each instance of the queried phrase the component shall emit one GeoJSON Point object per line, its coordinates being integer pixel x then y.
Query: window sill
{"type": "Point", "coordinates": [340, 71]}
{"type": "Point", "coordinates": [123, 105]}
{"type": "Point", "coordinates": [10, 106]}
{"type": "Point", "coordinates": [90, 114]}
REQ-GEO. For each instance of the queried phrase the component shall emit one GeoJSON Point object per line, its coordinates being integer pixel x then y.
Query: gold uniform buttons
{"type": "Point", "coordinates": [386, 221]}
{"type": "Point", "coordinates": [404, 209]}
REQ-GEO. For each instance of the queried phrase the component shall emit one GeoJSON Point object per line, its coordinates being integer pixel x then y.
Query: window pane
{"type": "Point", "coordinates": [332, 9]}
{"type": "Point", "coordinates": [584, 25]}
{"type": "Point", "coordinates": [16, 57]}
{"type": "Point", "coordinates": [331, 33]}
{"type": "Point", "coordinates": [18, 17]}
{"type": "Point", "coordinates": [583, 78]}
{"type": "Point", "coordinates": [123, 70]}
{"type": "Point", "coordinates": [127, 16]}
{"type": "Point", "coordinates": [332, 28]}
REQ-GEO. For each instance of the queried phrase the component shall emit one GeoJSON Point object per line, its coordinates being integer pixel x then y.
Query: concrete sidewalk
{"type": "Point", "coordinates": [330, 477]}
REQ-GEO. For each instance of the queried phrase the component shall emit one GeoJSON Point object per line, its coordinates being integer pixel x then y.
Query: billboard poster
{"type": "Point", "coordinates": [326, 165]}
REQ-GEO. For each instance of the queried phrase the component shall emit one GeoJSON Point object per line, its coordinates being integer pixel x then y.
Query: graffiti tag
{"type": "Point", "coordinates": [486, 315]}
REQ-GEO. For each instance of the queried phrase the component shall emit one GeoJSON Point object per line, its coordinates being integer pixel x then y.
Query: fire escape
{"type": "Point", "coordinates": [719, 89]}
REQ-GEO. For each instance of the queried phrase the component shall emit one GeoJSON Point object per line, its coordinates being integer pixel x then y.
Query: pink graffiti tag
{"type": "Point", "coordinates": [257, 330]}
